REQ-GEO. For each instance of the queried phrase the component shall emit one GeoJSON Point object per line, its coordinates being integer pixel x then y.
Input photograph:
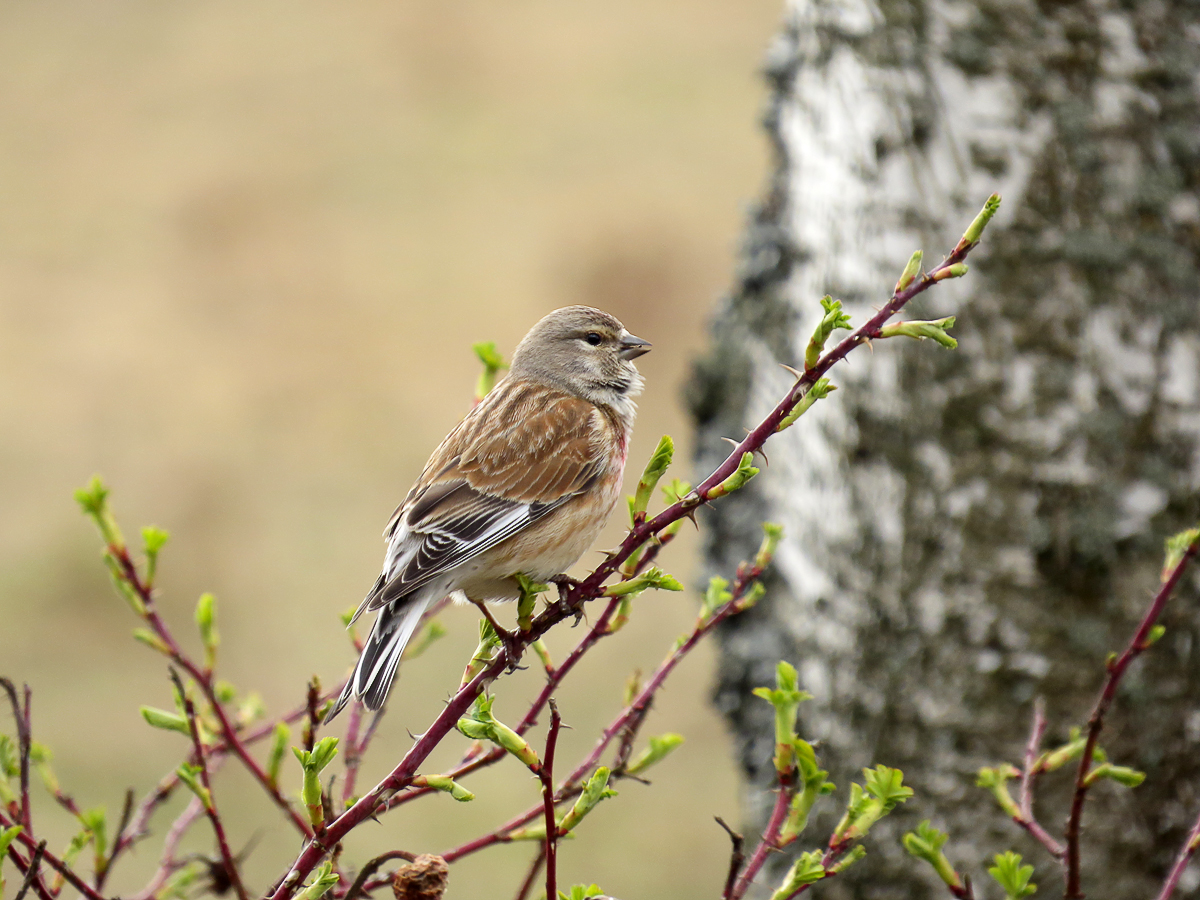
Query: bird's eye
{"type": "Point", "coordinates": [593, 338]}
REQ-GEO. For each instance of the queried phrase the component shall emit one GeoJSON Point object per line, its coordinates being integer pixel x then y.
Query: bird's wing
{"type": "Point", "coordinates": [520, 454]}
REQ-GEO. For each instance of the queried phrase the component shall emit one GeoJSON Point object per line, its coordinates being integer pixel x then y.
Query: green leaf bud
{"type": "Point", "coordinates": [659, 748]}
{"type": "Point", "coordinates": [655, 469]}
{"type": "Point", "coordinates": [911, 271]}
{"type": "Point", "coordinates": [1012, 876]}
{"type": "Point", "coordinates": [833, 319]}
{"type": "Point", "coordinates": [1177, 546]}
{"type": "Point", "coordinates": [445, 784]}
{"type": "Point", "coordinates": [160, 718]}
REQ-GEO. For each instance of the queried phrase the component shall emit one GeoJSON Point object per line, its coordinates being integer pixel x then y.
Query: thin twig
{"type": "Point", "coordinates": [210, 804]}
{"type": "Point", "coordinates": [23, 744]}
{"type": "Point", "coordinates": [1029, 774]}
{"type": "Point", "coordinates": [31, 874]}
{"type": "Point", "coordinates": [546, 774]}
{"type": "Point", "coordinates": [372, 866]}
{"type": "Point", "coordinates": [592, 587]}
{"type": "Point", "coordinates": [768, 844]}
{"type": "Point", "coordinates": [1189, 848]}
{"type": "Point", "coordinates": [27, 841]}
{"type": "Point", "coordinates": [168, 862]}
{"type": "Point", "coordinates": [736, 858]}
{"type": "Point", "coordinates": [1116, 670]}
{"type": "Point", "coordinates": [531, 876]}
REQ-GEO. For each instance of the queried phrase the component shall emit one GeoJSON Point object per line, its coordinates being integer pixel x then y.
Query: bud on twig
{"type": "Point", "coordinates": [926, 843]}
{"type": "Point", "coordinates": [935, 329]}
{"type": "Point", "coordinates": [1012, 876]}
{"type": "Point", "coordinates": [786, 698]}
{"type": "Point", "coordinates": [655, 469]}
{"type": "Point", "coordinates": [910, 272]}
{"type": "Point", "coordinates": [493, 365]}
{"type": "Point", "coordinates": [833, 319]}
{"type": "Point", "coordinates": [313, 762]}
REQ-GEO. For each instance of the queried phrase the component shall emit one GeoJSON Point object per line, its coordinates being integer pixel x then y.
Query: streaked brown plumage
{"type": "Point", "coordinates": [522, 485]}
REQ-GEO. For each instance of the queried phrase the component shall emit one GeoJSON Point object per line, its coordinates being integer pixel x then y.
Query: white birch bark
{"type": "Point", "coordinates": [969, 529]}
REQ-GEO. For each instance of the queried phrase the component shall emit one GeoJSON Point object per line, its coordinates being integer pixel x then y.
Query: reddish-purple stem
{"type": "Point", "coordinates": [210, 805]}
{"type": "Point", "coordinates": [1189, 848]}
{"type": "Point", "coordinates": [1028, 775]}
{"type": "Point", "coordinates": [204, 679]}
{"type": "Point", "coordinates": [531, 875]}
{"type": "Point", "coordinates": [1116, 670]}
{"type": "Point", "coordinates": [592, 587]}
{"type": "Point", "coordinates": [769, 843]}
{"type": "Point", "coordinates": [546, 774]}
{"type": "Point", "coordinates": [27, 841]}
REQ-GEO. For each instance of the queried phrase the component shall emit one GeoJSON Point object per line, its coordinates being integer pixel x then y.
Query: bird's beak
{"type": "Point", "coordinates": [632, 347]}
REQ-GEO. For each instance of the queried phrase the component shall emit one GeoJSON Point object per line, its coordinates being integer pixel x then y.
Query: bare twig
{"type": "Point", "coordinates": [372, 867]}
{"type": "Point", "coordinates": [546, 774]}
{"type": "Point", "coordinates": [167, 862]}
{"type": "Point", "coordinates": [1116, 670]}
{"type": "Point", "coordinates": [210, 804]}
{"type": "Point", "coordinates": [767, 845]}
{"type": "Point", "coordinates": [736, 858]}
{"type": "Point", "coordinates": [31, 874]}
{"type": "Point", "coordinates": [1186, 852]}
{"type": "Point", "coordinates": [531, 876]}
{"type": "Point", "coordinates": [21, 717]}
{"type": "Point", "coordinates": [1029, 774]}
{"type": "Point", "coordinates": [27, 841]}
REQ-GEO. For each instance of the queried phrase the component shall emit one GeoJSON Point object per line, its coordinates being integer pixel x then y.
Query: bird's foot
{"type": "Point", "coordinates": [566, 594]}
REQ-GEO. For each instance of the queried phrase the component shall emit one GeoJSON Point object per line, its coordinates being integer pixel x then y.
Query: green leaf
{"type": "Point", "coordinates": [153, 540]}
{"type": "Point", "coordinates": [160, 718]}
{"type": "Point", "coordinates": [93, 500]}
{"type": "Point", "coordinates": [926, 843]}
{"type": "Point", "coordinates": [975, 230]}
{"type": "Point", "coordinates": [96, 821]}
{"type": "Point", "coordinates": [995, 780]}
{"type": "Point", "coordinates": [7, 836]}
{"type": "Point", "coordinates": [659, 748]}
{"type": "Point", "coordinates": [433, 630]}
{"type": "Point", "coordinates": [323, 879]}
{"type": "Point", "coordinates": [445, 784]}
{"type": "Point", "coordinates": [911, 271]}
{"type": "Point", "coordinates": [934, 329]}
{"type": "Point", "coordinates": [818, 390]}
{"type": "Point", "coordinates": [206, 619]}
{"type": "Point", "coordinates": [1120, 774]}
{"type": "Point", "coordinates": [280, 739]}
{"type": "Point", "coordinates": [653, 578]}
{"type": "Point", "coordinates": [655, 469]}
{"type": "Point", "coordinates": [735, 482]}
{"type": "Point", "coordinates": [786, 697]}
{"type": "Point", "coordinates": [1177, 546]}
{"type": "Point", "coordinates": [833, 319]}
{"type": "Point", "coordinates": [313, 762]}
{"type": "Point", "coordinates": [887, 786]}
{"type": "Point", "coordinates": [808, 869]}
{"type": "Point", "coordinates": [1012, 876]}
{"type": "Point", "coordinates": [580, 892]}
{"type": "Point", "coordinates": [493, 365]}
{"type": "Point", "coordinates": [190, 776]}
{"type": "Point", "coordinates": [594, 791]}
{"type": "Point", "coordinates": [151, 640]}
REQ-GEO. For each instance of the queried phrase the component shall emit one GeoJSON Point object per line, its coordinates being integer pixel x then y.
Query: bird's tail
{"type": "Point", "coordinates": [376, 669]}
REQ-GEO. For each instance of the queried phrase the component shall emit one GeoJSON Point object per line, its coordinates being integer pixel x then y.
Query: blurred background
{"type": "Point", "coordinates": [244, 250]}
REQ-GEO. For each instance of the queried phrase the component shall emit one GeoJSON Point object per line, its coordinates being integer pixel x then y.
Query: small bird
{"type": "Point", "coordinates": [522, 485]}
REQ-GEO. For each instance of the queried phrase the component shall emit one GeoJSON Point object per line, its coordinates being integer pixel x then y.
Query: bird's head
{"type": "Point", "coordinates": [585, 352]}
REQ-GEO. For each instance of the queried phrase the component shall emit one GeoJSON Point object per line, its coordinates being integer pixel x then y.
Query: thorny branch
{"type": "Point", "coordinates": [639, 547]}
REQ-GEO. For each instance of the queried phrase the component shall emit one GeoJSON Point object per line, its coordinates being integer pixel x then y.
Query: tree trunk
{"type": "Point", "coordinates": [969, 529]}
